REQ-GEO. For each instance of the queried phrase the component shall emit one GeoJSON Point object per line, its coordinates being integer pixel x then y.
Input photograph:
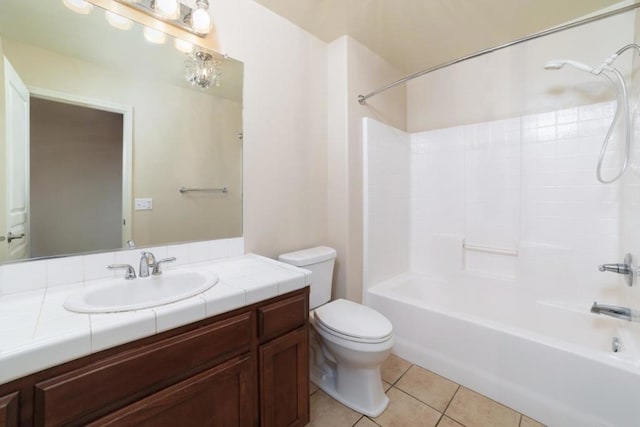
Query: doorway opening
{"type": "Point", "coordinates": [79, 175]}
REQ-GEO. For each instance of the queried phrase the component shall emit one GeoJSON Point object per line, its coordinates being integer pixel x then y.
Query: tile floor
{"type": "Point", "coordinates": [419, 397]}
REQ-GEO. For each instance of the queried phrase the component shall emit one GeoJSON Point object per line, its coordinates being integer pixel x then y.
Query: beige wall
{"type": "Point", "coordinates": [285, 126]}
{"type": "Point", "coordinates": [512, 82]}
{"type": "Point", "coordinates": [173, 130]}
{"type": "Point", "coordinates": [353, 69]}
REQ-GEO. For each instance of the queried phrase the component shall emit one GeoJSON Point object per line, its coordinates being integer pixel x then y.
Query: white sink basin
{"type": "Point", "coordinates": [126, 295]}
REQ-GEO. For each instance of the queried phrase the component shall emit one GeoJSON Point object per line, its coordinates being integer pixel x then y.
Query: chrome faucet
{"type": "Point", "coordinates": [623, 313]}
{"type": "Point", "coordinates": [148, 260]}
{"type": "Point", "coordinates": [627, 269]}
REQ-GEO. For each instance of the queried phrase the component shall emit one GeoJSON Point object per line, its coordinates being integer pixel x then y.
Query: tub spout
{"type": "Point", "coordinates": [623, 313]}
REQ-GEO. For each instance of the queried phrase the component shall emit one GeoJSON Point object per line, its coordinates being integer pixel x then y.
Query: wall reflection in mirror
{"type": "Point", "coordinates": [99, 131]}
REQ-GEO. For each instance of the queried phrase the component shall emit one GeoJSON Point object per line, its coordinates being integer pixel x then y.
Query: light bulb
{"type": "Point", "coordinates": [79, 6]}
{"type": "Point", "coordinates": [183, 46]}
{"type": "Point", "coordinates": [154, 36]}
{"type": "Point", "coordinates": [200, 20]}
{"type": "Point", "coordinates": [169, 9]}
{"type": "Point", "coordinates": [120, 22]}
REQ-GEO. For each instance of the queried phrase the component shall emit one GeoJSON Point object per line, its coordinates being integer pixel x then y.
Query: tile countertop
{"type": "Point", "coordinates": [36, 332]}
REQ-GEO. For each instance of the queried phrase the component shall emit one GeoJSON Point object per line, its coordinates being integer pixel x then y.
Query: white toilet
{"type": "Point", "coordinates": [348, 341]}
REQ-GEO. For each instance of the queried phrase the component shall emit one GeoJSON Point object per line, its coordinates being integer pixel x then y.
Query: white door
{"type": "Point", "coordinates": [17, 158]}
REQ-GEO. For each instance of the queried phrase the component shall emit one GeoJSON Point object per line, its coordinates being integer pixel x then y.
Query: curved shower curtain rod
{"type": "Point", "coordinates": [362, 99]}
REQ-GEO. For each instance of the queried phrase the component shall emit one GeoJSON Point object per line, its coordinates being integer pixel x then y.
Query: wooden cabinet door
{"type": "Point", "coordinates": [284, 380]}
{"type": "Point", "coordinates": [219, 397]}
{"type": "Point", "coordinates": [9, 410]}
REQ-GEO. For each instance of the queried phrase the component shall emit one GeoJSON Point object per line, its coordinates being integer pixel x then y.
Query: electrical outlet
{"type": "Point", "coordinates": [144, 204]}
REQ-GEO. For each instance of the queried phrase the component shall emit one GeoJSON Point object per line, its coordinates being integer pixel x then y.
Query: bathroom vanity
{"type": "Point", "coordinates": [244, 367]}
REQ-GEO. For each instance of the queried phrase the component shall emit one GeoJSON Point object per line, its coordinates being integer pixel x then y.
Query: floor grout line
{"type": "Point", "coordinates": [420, 400]}
{"type": "Point", "coordinates": [402, 375]}
{"type": "Point", "coordinates": [452, 397]}
{"type": "Point", "coordinates": [449, 404]}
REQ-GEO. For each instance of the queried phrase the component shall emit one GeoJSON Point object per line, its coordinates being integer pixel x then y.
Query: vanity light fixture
{"type": "Point", "coordinates": [154, 36]}
{"type": "Point", "coordinates": [79, 6]}
{"type": "Point", "coordinates": [174, 12]}
{"type": "Point", "coordinates": [202, 69]}
{"type": "Point", "coordinates": [120, 22]}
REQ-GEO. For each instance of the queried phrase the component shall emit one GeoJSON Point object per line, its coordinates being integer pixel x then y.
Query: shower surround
{"type": "Point", "coordinates": [508, 199]}
{"type": "Point", "coordinates": [489, 237]}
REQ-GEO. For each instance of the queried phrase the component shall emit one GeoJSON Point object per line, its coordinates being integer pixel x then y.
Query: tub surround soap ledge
{"type": "Point", "coordinates": [36, 332]}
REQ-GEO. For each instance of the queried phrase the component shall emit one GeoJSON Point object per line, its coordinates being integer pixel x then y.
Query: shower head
{"type": "Point", "coordinates": [559, 63]}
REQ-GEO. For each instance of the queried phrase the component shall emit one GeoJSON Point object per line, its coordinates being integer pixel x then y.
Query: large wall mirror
{"type": "Point", "coordinates": [99, 130]}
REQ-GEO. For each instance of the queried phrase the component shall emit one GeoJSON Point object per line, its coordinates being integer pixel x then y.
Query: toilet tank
{"type": "Point", "coordinates": [320, 261]}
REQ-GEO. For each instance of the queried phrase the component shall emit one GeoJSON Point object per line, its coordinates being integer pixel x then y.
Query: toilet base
{"type": "Point", "coordinates": [349, 371]}
{"type": "Point", "coordinates": [327, 383]}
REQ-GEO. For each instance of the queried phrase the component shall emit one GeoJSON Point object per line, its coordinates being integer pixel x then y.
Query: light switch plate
{"type": "Point", "coordinates": [144, 204]}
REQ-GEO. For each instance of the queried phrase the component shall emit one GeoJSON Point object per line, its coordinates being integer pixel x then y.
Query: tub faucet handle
{"type": "Point", "coordinates": [615, 268]}
{"type": "Point", "coordinates": [627, 268]}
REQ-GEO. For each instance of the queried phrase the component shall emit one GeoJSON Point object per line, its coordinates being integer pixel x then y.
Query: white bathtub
{"type": "Point", "coordinates": [552, 361]}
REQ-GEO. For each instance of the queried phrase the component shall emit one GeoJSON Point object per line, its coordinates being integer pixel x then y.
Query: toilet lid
{"type": "Point", "coordinates": [353, 320]}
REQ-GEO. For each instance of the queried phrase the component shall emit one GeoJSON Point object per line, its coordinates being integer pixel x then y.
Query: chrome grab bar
{"type": "Point", "coordinates": [183, 190]}
{"type": "Point", "coordinates": [490, 249]}
{"type": "Point", "coordinates": [11, 237]}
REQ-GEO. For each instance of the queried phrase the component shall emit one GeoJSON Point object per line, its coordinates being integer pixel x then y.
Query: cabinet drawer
{"type": "Point", "coordinates": [218, 397]}
{"type": "Point", "coordinates": [102, 387]}
{"type": "Point", "coordinates": [282, 316]}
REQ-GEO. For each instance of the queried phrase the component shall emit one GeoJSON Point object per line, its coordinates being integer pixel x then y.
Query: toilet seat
{"type": "Point", "coordinates": [353, 322]}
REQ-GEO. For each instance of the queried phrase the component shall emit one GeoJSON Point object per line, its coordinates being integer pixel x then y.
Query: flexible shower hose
{"type": "Point", "coordinates": [625, 107]}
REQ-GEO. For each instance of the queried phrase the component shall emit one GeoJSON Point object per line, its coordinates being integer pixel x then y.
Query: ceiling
{"type": "Point", "coordinates": [417, 34]}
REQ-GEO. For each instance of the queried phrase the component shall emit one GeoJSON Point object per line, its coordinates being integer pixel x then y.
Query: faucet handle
{"type": "Point", "coordinates": [615, 268]}
{"type": "Point", "coordinates": [627, 268]}
{"type": "Point", "coordinates": [156, 269]}
{"type": "Point", "coordinates": [129, 275]}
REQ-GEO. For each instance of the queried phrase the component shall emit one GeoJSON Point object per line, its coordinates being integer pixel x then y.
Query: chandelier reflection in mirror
{"type": "Point", "coordinates": [203, 69]}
